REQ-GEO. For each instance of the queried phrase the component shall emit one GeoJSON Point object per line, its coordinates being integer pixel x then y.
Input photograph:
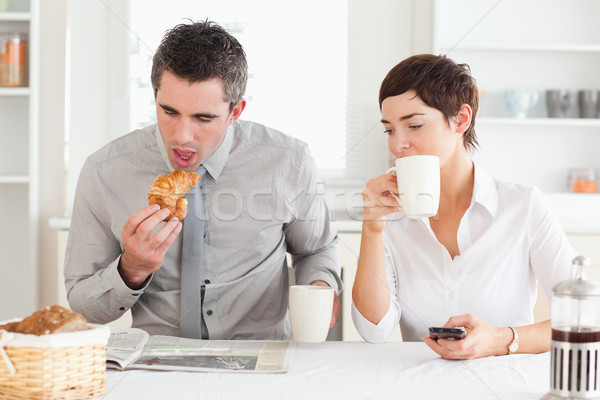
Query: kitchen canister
{"type": "Point", "coordinates": [584, 180]}
{"type": "Point", "coordinates": [13, 59]}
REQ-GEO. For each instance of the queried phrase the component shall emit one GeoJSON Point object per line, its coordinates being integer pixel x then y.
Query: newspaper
{"type": "Point", "coordinates": [135, 349]}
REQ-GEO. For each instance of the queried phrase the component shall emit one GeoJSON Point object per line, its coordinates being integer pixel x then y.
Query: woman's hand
{"type": "Point", "coordinates": [482, 339]}
{"type": "Point", "coordinates": [379, 201]}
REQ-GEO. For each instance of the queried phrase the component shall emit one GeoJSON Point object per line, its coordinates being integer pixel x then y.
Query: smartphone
{"type": "Point", "coordinates": [447, 333]}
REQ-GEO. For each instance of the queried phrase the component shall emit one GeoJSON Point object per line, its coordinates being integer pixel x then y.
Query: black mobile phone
{"type": "Point", "coordinates": [447, 333]}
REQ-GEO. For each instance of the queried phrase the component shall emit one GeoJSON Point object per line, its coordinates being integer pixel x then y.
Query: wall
{"type": "Point", "coordinates": [53, 29]}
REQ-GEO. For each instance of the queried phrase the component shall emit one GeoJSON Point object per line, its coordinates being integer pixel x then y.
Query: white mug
{"type": "Point", "coordinates": [310, 312]}
{"type": "Point", "coordinates": [418, 184]}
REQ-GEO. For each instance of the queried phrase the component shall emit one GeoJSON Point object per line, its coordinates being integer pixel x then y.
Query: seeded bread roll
{"type": "Point", "coordinates": [48, 320]}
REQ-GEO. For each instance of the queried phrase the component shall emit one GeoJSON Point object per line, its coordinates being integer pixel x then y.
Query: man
{"type": "Point", "coordinates": [259, 196]}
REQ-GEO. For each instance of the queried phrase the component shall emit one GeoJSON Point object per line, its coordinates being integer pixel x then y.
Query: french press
{"type": "Point", "coordinates": [575, 353]}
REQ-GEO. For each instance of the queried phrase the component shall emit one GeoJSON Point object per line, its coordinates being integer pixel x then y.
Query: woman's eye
{"type": "Point", "coordinates": [388, 131]}
{"type": "Point", "coordinates": [414, 126]}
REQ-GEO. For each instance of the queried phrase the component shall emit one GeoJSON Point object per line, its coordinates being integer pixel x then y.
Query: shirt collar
{"type": "Point", "coordinates": [215, 163]}
{"type": "Point", "coordinates": [484, 190]}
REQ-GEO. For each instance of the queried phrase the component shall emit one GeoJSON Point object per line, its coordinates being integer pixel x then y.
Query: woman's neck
{"type": "Point", "coordinates": [457, 177]}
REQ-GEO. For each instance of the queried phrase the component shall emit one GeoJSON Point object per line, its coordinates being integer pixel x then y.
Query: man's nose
{"type": "Point", "coordinates": [183, 132]}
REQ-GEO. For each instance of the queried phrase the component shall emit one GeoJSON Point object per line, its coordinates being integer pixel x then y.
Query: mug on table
{"type": "Point", "coordinates": [310, 312]}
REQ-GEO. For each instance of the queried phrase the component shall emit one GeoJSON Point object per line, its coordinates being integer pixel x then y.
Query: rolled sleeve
{"type": "Point", "coordinates": [375, 333]}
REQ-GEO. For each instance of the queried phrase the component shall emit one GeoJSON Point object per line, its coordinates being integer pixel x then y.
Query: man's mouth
{"type": "Point", "coordinates": [184, 157]}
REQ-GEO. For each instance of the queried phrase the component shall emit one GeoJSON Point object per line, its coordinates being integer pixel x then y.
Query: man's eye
{"type": "Point", "coordinates": [171, 113]}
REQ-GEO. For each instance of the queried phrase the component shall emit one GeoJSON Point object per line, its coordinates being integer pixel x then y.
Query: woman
{"type": "Point", "coordinates": [477, 262]}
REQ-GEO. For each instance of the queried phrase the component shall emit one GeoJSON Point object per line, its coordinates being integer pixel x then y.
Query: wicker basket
{"type": "Point", "coordinates": [57, 372]}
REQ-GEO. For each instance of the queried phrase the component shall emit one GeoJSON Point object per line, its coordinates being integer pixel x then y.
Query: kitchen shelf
{"type": "Point", "coordinates": [19, 169]}
{"type": "Point", "coordinates": [552, 122]}
{"type": "Point", "coordinates": [528, 47]}
{"type": "Point", "coordinates": [15, 16]}
{"type": "Point", "coordinates": [14, 179]}
{"type": "Point", "coordinates": [14, 91]}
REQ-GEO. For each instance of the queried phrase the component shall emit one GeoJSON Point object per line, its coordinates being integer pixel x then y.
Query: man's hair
{"type": "Point", "coordinates": [201, 51]}
{"type": "Point", "coordinates": [440, 83]}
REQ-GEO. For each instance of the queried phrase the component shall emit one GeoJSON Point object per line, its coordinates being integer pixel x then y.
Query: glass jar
{"type": "Point", "coordinates": [13, 59]}
{"type": "Point", "coordinates": [584, 180]}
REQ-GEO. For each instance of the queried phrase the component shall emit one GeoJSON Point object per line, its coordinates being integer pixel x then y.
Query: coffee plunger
{"type": "Point", "coordinates": [575, 353]}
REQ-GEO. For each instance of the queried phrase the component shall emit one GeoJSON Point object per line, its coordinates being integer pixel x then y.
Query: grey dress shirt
{"type": "Point", "coordinates": [261, 201]}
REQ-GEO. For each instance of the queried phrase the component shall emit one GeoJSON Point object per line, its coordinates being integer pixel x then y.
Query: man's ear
{"type": "Point", "coordinates": [236, 112]}
{"type": "Point", "coordinates": [463, 118]}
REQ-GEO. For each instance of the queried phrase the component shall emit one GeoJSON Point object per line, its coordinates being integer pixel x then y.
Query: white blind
{"type": "Point", "coordinates": [297, 58]}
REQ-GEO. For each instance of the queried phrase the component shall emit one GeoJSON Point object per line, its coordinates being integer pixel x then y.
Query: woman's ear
{"type": "Point", "coordinates": [463, 118]}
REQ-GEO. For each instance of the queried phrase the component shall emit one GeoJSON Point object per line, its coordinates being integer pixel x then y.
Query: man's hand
{"type": "Point", "coordinates": [482, 339]}
{"type": "Point", "coordinates": [337, 307]}
{"type": "Point", "coordinates": [143, 252]}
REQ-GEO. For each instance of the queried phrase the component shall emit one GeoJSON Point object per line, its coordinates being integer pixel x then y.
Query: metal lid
{"type": "Point", "coordinates": [578, 287]}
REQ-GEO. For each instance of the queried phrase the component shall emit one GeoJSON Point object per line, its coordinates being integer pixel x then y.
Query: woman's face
{"type": "Point", "coordinates": [414, 128]}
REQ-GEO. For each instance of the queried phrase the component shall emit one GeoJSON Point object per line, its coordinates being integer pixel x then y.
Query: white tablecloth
{"type": "Point", "coordinates": [350, 370]}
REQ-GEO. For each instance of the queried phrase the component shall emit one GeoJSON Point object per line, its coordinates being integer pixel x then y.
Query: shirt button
{"type": "Point", "coordinates": [451, 295]}
{"type": "Point", "coordinates": [135, 294]}
{"type": "Point", "coordinates": [122, 308]}
{"type": "Point", "coordinates": [209, 313]}
{"type": "Point", "coordinates": [207, 281]}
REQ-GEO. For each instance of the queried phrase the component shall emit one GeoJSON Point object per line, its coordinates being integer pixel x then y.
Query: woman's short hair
{"type": "Point", "coordinates": [440, 83]}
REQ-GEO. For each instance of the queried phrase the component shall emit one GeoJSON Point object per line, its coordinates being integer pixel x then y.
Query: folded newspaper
{"type": "Point", "coordinates": [135, 349]}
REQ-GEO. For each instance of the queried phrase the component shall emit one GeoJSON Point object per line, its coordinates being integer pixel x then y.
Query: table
{"type": "Point", "coordinates": [350, 370]}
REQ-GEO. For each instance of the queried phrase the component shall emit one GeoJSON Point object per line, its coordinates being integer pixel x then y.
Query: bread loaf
{"type": "Point", "coordinates": [48, 320]}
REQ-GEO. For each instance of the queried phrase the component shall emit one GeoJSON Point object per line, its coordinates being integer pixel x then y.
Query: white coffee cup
{"type": "Point", "coordinates": [310, 312]}
{"type": "Point", "coordinates": [418, 184]}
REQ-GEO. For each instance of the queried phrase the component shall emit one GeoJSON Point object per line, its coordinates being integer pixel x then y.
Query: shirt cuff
{"type": "Point", "coordinates": [375, 333]}
{"type": "Point", "coordinates": [127, 295]}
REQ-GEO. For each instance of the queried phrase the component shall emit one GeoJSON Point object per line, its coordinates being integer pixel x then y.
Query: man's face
{"type": "Point", "coordinates": [192, 119]}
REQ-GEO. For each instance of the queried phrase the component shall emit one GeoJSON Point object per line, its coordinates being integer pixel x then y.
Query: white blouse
{"type": "Point", "coordinates": [508, 241]}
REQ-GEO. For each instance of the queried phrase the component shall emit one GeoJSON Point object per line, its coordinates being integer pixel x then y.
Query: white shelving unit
{"type": "Point", "coordinates": [521, 44]}
{"type": "Point", "coordinates": [19, 172]}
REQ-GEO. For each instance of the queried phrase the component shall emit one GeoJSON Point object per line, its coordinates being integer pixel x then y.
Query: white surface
{"type": "Point", "coordinates": [351, 370]}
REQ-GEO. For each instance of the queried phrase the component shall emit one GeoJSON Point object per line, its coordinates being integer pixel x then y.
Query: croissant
{"type": "Point", "coordinates": [168, 191]}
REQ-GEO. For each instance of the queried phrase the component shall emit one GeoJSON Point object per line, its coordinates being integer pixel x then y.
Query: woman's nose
{"type": "Point", "coordinates": [398, 143]}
